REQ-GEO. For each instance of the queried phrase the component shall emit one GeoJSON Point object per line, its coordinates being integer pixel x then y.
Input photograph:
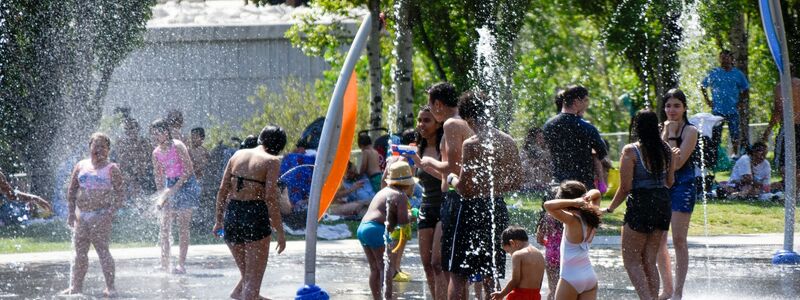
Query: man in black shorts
{"type": "Point", "coordinates": [491, 168]}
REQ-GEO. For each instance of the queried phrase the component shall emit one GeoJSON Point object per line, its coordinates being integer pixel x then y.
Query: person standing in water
{"type": "Point", "coordinates": [386, 213]}
{"type": "Point", "coordinates": [527, 265]}
{"type": "Point", "coordinates": [178, 190]}
{"type": "Point", "coordinates": [248, 211]}
{"type": "Point", "coordinates": [581, 218]}
{"type": "Point", "coordinates": [429, 134]}
{"type": "Point", "coordinates": [681, 136]}
{"type": "Point", "coordinates": [646, 173]}
{"type": "Point", "coordinates": [571, 141]}
{"type": "Point", "coordinates": [491, 168]}
{"type": "Point", "coordinates": [94, 195]}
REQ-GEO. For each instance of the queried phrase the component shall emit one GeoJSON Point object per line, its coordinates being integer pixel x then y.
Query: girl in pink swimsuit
{"type": "Point", "coordinates": [94, 195]}
{"type": "Point", "coordinates": [179, 190]}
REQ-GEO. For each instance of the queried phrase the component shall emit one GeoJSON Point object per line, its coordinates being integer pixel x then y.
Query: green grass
{"type": "Point", "coordinates": [724, 217]}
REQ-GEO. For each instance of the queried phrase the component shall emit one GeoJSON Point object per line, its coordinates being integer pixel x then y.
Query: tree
{"type": "Point", "coordinates": [57, 58]}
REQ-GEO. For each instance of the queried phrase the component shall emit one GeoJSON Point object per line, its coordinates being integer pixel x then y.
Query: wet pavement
{"type": "Point", "coordinates": [720, 268]}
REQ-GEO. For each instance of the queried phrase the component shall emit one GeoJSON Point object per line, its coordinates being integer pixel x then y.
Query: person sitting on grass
{"type": "Point", "coordinates": [354, 195]}
{"type": "Point", "coordinates": [370, 162]}
{"type": "Point", "coordinates": [388, 210]}
{"type": "Point", "coordinates": [527, 267]}
{"type": "Point", "coordinates": [751, 173]}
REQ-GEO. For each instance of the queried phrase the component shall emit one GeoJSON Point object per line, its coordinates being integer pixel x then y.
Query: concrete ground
{"type": "Point", "coordinates": [721, 267]}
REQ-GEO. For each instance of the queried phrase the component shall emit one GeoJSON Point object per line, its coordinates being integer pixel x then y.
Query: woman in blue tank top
{"type": "Point", "coordinates": [682, 138]}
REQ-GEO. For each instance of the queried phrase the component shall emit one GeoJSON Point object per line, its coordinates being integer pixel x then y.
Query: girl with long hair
{"type": "Point", "coordinates": [646, 172]}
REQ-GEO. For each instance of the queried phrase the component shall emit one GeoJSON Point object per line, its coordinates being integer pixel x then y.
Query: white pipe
{"type": "Point", "coordinates": [327, 147]}
{"type": "Point", "coordinates": [790, 178]}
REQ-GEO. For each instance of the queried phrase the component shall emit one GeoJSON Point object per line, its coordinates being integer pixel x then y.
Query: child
{"type": "Point", "coordinates": [581, 217]}
{"type": "Point", "coordinates": [179, 193]}
{"type": "Point", "coordinates": [750, 176]}
{"type": "Point", "coordinates": [370, 165]}
{"type": "Point", "coordinates": [527, 267]}
{"type": "Point", "coordinates": [388, 210]}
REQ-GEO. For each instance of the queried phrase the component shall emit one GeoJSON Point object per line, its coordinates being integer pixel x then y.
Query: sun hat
{"type": "Point", "coordinates": [400, 174]}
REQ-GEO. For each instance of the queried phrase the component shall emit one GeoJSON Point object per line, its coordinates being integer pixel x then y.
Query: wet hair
{"type": "Point", "coordinates": [725, 52]}
{"type": "Point", "coordinates": [529, 145]}
{"type": "Point", "coordinates": [472, 106]}
{"type": "Point", "coordinates": [513, 233]}
{"type": "Point", "coordinates": [175, 118]}
{"type": "Point", "coordinates": [571, 189]}
{"type": "Point", "coordinates": [364, 140]}
{"type": "Point", "coordinates": [161, 125]}
{"type": "Point", "coordinates": [249, 142]}
{"type": "Point", "coordinates": [99, 136]}
{"type": "Point", "coordinates": [444, 92]}
{"type": "Point", "coordinates": [655, 152]}
{"type": "Point", "coordinates": [792, 70]}
{"type": "Point", "coordinates": [273, 138]}
{"type": "Point", "coordinates": [757, 146]}
{"type": "Point", "coordinates": [199, 131]}
{"type": "Point", "coordinates": [677, 94]}
{"type": "Point", "coordinates": [422, 143]}
{"type": "Point", "coordinates": [568, 96]}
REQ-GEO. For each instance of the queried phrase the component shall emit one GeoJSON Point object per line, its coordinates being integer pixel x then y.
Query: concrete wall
{"type": "Point", "coordinates": [207, 72]}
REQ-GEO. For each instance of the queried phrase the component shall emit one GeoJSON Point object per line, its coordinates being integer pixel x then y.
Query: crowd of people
{"type": "Point", "coordinates": [459, 174]}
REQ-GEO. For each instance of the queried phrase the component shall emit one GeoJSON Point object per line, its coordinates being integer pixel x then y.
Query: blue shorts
{"type": "Point", "coordinates": [683, 193]}
{"type": "Point", "coordinates": [188, 196]}
{"type": "Point", "coordinates": [733, 125]}
{"type": "Point", "coordinates": [372, 234]}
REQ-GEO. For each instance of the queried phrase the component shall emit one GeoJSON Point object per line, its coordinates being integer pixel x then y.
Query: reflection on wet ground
{"type": "Point", "coordinates": [719, 272]}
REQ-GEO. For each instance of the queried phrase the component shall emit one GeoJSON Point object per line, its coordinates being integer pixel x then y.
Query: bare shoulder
{"type": "Point", "coordinates": [628, 149]}
{"type": "Point", "coordinates": [456, 125]}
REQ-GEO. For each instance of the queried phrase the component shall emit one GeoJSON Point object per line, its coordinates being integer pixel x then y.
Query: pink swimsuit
{"type": "Point", "coordinates": [90, 178]}
{"type": "Point", "coordinates": [171, 161]}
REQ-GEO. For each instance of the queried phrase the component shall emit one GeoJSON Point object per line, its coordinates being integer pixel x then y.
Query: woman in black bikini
{"type": "Point", "coordinates": [248, 200]}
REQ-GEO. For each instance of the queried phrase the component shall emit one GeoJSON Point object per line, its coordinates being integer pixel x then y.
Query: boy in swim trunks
{"type": "Point", "coordinates": [370, 164]}
{"type": "Point", "coordinates": [527, 265]}
{"type": "Point", "coordinates": [387, 211]}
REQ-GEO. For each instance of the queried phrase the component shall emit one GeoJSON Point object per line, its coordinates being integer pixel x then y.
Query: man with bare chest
{"type": "Point", "coordinates": [491, 167]}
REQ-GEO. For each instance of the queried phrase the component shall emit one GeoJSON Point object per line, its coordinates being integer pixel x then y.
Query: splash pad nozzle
{"type": "Point", "coordinates": [311, 292]}
{"type": "Point", "coordinates": [786, 257]}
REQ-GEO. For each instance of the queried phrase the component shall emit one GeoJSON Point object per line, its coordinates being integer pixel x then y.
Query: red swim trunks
{"type": "Point", "coordinates": [524, 294]}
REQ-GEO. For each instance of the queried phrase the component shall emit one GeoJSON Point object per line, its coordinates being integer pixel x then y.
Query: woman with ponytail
{"type": "Point", "coordinates": [646, 173]}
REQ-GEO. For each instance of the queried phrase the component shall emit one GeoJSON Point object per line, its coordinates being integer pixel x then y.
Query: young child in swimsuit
{"type": "Point", "coordinates": [388, 210]}
{"type": "Point", "coordinates": [527, 267]}
{"type": "Point", "coordinates": [94, 195]}
{"type": "Point", "coordinates": [581, 217]}
{"type": "Point", "coordinates": [178, 189]}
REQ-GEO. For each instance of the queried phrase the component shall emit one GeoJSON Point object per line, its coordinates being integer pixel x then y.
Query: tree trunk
{"type": "Point", "coordinates": [404, 70]}
{"type": "Point", "coordinates": [375, 70]}
{"type": "Point", "coordinates": [738, 40]}
{"type": "Point", "coordinates": [668, 63]}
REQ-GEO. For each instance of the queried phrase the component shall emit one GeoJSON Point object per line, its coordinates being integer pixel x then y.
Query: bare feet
{"type": "Point", "coordinates": [160, 268]}
{"type": "Point", "coordinates": [665, 295]}
{"type": "Point", "coordinates": [179, 270]}
{"type": "Point", "coordinates": [238, 295]}
{"type": "Point", "coordinates": [70, 291]}
{"type": "Point", "coordinates": [110, 293]}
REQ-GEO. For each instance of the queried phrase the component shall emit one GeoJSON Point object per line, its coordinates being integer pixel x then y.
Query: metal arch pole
{"type": "Point", "coordinates": [788, 129]}
{"type": "Point", "coordinates": [327, 148]}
